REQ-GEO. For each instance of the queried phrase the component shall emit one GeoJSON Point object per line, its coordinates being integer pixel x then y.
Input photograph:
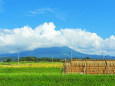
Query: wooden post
{"type": "Point", "coordinates": [86, 66]}
{"type": "Point", "coordinates": [85, 71]}
{"type": "Point", "coordinates": [65, 66]}
{"type": "Point", "coordinates": [107, 65]}
{"type": "Point", "coordinates": [71, 62]}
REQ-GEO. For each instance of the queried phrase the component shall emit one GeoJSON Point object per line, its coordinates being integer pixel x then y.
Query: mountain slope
{"type": "Point", "coordinates": [56, 52]}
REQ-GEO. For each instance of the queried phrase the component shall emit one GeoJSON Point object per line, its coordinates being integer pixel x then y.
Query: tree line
{"type": "Point", "coordinates": [35, 59]}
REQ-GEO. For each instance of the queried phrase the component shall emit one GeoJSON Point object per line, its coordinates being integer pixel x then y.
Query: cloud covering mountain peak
{"type": "Point", "coordinates": [45, 35]}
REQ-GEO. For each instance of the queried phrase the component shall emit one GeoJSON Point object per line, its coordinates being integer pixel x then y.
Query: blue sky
{"type": "Point", "coordinates": [87, 26]}
{"type": "Point", "coordinates": [93, 15]}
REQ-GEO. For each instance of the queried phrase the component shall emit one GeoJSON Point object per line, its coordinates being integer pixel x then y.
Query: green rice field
{"type": "Point", "coordinates": [49, 76]}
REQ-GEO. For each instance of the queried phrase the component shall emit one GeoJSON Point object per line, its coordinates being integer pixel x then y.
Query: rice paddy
{"type": "Point", "coordinates": [47, 74]}
{"type": "Point", "coordinates": [32, 64]}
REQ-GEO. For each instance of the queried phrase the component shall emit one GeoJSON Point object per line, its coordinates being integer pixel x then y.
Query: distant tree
{"type": "Point", "coordinates": [46, 59]}
{"type": "Point", "coordinates": [9, 60]}
{"type": "Point", "coordinates": [38, 59]}
{"type": "Point", "coordinates": [86, 58]}
{"type": "Point", "coordinates": [23, 59]}
{"type": "Point", "coordinates": [28, 58]}
{"type": "Point", "coordinates": [56, 60]}
{"type": "Point", "coordinates": [74, 58]}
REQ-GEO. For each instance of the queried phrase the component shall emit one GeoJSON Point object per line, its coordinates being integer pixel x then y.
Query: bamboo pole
{"type": "Point", "coordinates": [107, 66]}
{"type": "Point", "coordinates": [65, 65]}
{"type": "Point", "coordinates": [85, 68]}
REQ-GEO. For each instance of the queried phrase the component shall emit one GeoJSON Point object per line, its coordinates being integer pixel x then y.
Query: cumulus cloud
{"type": "Point", "coordinates": [82, 40]}
{"type": "Point", "coordinates": [45, 35]}
{"type": "Point", "coordinates": [27, 38]}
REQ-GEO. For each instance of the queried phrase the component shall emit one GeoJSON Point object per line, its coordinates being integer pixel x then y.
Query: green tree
{"type": "Point", "coordinates": [75, 58]}
{"type": "Point", "coordinates": [9, 60]}
{"type": "Point", "coordinates": [86, 58]}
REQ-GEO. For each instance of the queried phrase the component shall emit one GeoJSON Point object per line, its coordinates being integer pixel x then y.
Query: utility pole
{"type": "Point", "coordinates": [71, 54]}
{"type": "Point", "coordinates": [52, 59]}
{"type": "Point", "coordinates": [18, 55]}
{"type": "Point", "coordinates": [103, 55]}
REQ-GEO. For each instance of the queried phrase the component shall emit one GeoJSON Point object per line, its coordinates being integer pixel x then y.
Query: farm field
{"type": "Point", "coordinates": [47, 74]}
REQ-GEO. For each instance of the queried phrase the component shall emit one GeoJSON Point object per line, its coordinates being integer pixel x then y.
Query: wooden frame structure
{"type": "Point", "coordinates": [89, 66]}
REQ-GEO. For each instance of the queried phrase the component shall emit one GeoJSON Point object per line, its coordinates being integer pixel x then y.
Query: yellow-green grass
{"type": "Point", "coordinates": [32, 64]}
{"type": "Point", "coordinates": [48, 76]}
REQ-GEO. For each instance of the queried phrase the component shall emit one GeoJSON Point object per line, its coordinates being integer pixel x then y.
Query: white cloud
{"type": "Point", "coordinates": [53, 13]}
{"type": "Point", "coordinates": [42, 11]}
{"type": "Point", "coordinates": [45, 35]}
{"type": "Point", "coordinates": [82, 41]}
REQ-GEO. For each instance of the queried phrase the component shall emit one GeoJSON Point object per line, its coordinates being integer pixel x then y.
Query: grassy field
{"type": "Point", "coordinates": [47, 74]}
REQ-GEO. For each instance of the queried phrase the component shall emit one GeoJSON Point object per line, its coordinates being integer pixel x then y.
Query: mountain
{"type": "Point", "coordinates": [56, 52]}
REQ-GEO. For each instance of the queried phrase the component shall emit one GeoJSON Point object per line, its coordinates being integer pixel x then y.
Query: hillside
{"type": "Point", "coordinates": [56, 52]}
